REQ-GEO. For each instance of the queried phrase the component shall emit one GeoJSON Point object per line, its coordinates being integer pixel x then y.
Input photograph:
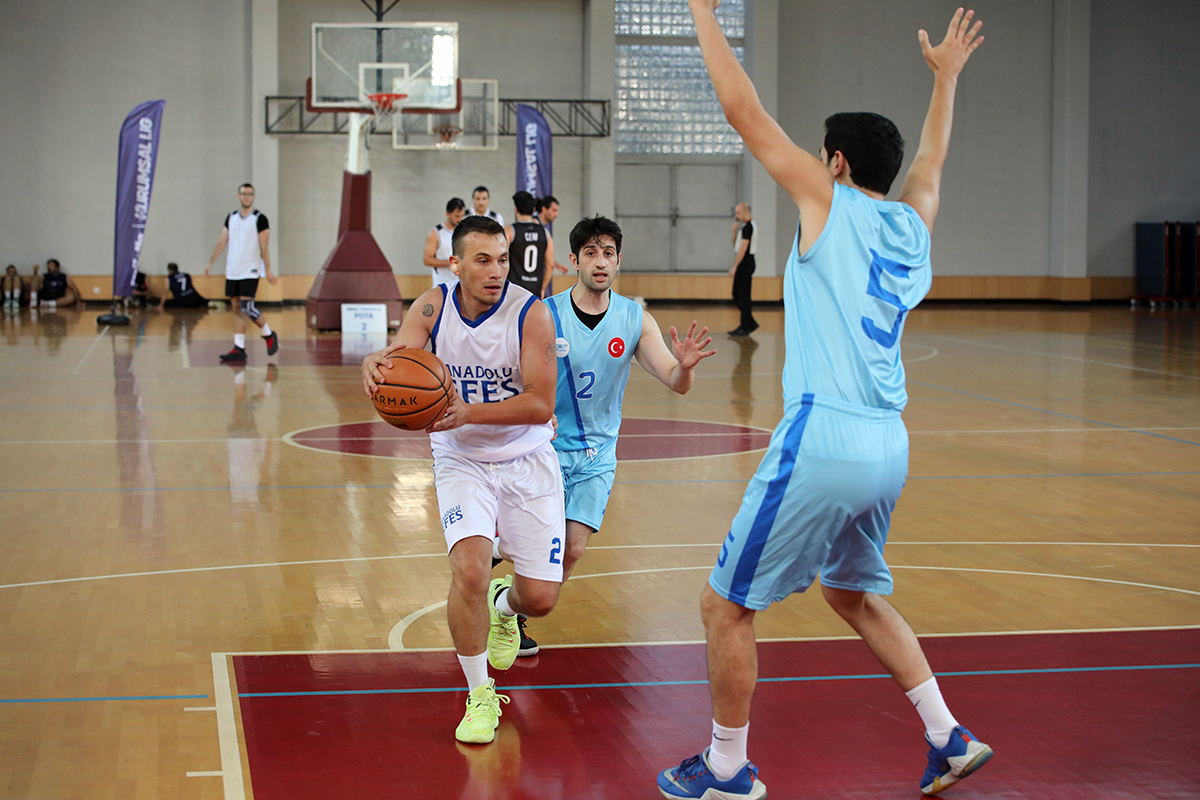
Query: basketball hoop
{"type": "Point", "coordinates": [446, 133]}
{"type": "Point", "coordinates": [385, 105]}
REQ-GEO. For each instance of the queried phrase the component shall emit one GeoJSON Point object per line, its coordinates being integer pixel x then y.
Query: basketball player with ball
{"type": "Point", "coordinates": [493, 465]}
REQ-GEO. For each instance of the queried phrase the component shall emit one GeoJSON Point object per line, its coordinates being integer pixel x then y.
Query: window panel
{"type": "Point", "coordinates": [666, 103]}
{"type": "Point", "coordinates": [672, 18]}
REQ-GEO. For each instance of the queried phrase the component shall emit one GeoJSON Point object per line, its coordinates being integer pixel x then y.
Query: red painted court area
{"type": "Point", "coordinates": [640, 439]}
{"type": "Point", "coordinates": [1091, 715]}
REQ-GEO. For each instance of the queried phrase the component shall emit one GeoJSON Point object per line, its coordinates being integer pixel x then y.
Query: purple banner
{"type": "Point", "coordinates": [534, 154]}
{"type": "Point", "coordinates": [136, 156]}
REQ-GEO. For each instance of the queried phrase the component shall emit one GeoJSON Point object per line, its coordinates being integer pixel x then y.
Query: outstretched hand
{"type": "Point", "coordinates": [961, 40]}
{"type": "Point", "coordinates": [689, 350]}
{"type": "Point", "coordinates": [704, 5]}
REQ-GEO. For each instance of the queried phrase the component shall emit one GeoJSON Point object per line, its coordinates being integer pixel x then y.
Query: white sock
{"type": "Point", "coordinates": [502, 604]}
{"type": "Point", "coordinates": [266, 329]}
{"type": "Point", "coordinates": [939, 722]}
{"type": "Point", "coordinates": [239, 339]}
{"type": "Point", "coordinates": [475, 668]}
{"type": "Point", "coordinates": [33, 298]}
{"type": "Point", "coordinates": [496, 548]}
{"type": "Point", "coordinates": [727, 752]}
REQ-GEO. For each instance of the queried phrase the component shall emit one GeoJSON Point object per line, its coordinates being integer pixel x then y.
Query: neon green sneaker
{"type": "Point", "coordinates": [483, 715]}
{"type": "Point", "coordinates": [504, 638]}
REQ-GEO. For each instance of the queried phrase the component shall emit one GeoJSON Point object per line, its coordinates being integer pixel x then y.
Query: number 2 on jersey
{"type": "Point", "coordinates": [585, 392]}
{"type": "Point", "coordinates": [555, 550]}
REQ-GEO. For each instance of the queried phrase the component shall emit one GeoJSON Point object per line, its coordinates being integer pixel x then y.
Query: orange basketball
{"type": "Point", "coordinates": [416, 391]}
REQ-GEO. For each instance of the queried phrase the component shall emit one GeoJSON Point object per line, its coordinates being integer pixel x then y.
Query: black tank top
{"type": "Point", "coordinates": [527, 256]}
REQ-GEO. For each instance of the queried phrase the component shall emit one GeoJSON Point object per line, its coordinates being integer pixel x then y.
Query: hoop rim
{"type": "Point", "coordinates": [385, 101]}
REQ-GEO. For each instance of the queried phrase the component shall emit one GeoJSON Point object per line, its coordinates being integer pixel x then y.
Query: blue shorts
{"type": "Point", "coordinates": [820, 503]}
{"type": "Point", "coordinates": [587, 482]}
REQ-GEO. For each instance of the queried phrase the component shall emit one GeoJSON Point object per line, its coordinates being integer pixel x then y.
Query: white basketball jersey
{"type": "Point", "coordinates": [443, 275]}
{"type": "Point", "coordinates": [484, 357]}
{"type": "Point", "coordinates": [244, 258]}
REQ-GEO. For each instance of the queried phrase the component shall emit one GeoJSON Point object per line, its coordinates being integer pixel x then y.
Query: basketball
{"type": "Point", "coordinates": [416, 391]}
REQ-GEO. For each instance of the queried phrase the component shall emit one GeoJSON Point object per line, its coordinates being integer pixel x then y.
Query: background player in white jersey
{"type": "Point", "coordinates": [480, 200]}
{"type": "Point", "coordinates": [530, 251]}
{"type": "Point", "coordinates": [247, 233]}
{"type": "Point", "coordinates": [598, 334]}
{"type": "Point", "coordinates": [494, 467]}
{"type": "Point", "coordinates": [858, 265]}
{"type": "Point", "coordinates": [437, 243]}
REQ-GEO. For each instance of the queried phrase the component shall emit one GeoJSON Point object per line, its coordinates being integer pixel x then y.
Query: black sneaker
{"type": "Point", "coordinates": [738, 332]}
{"type": "Point", "coordinates": [272, 343]}
{"type": "Point", "coordinates": [528, 646]}
{"type": "Point", "coordinates": [236, 354]}
{"type": "Point", "coordinates": [496, 562]}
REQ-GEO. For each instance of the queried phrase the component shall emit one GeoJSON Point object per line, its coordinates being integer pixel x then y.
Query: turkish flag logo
{"type": "Point", "coordinates": [616, 347]}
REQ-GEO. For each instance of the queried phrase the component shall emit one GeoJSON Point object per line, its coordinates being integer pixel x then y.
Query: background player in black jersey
{"type": "Point", "coordinates": [530, 251]}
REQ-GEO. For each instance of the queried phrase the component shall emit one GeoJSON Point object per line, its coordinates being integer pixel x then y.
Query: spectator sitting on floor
{"type": "Point", "coordinates": [57, 288]}
{"type": "Point", "coordinates": [34, 286]}
{"type": "Point", "coordinates": [183, 293]}
{"type": "Point", "coordinates": [141, 291]}
{"type": "Point", "coordinates": [12, 286]}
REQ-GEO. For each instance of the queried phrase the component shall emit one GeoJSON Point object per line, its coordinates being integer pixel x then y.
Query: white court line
{"type": "Point", "coordinates": [220, 569]}
{"type": "Point", "coordinates": [99, 336]}
{"type": "Point", "coordinates": [403, 557]}
{"type": "Point", "coordinates": [231, 755]}
{"type": "Point", "coordinates": [209, 774]}
{"type": "Point", "coordinates": [911, 432]}
{"type": "Point", "coordinates": [847, 637]}
{"type": "Point", "coordinates": [187, 358]}
{"type": "Point", "coordinates": [1066, 358]}
{"type": "Point", "coordinates": [200, 708]}
{"type": "Point", "coordinates": [396, 635]}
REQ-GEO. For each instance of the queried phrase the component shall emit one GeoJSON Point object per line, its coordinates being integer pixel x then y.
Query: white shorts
{"type": "Point", "coordinates": [521, 499]}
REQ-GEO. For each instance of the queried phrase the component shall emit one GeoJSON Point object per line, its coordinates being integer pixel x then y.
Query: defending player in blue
{"type": "Point", "coordinates": [598, 334]}
{"type": "Point", "coordinates": [821, 500]}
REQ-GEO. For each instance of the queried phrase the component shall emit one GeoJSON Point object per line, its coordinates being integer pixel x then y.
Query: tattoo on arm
{"type": "Point", "coordinates": [427, 310]}
{"type": "Point", "coordinates": [551, 353]}
{"type": "Point", "coordinates": [527, 387]}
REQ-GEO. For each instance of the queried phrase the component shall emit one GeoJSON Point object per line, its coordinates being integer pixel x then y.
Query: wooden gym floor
{"type": "Point", "coordinates": [167, 522]}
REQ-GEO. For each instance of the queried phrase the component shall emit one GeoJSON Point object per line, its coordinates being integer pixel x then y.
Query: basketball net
{"type": "Point", "coordinates": [385, 105]}
{"type": "Point", "coordinates": [447, 134]}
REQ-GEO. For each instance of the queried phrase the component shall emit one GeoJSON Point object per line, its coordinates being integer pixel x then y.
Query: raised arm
{"type": "Point", "coordinates": [801, 174]}
{"type": "Point", "coordinates": [676, 368]}
{"type": "Point", "coordinates": [922, 185]}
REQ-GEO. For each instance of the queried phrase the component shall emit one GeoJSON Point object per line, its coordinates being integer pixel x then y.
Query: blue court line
{"type": "Point", "coordinates": [640, 684]}
{"type": "Point", "coordinates": [1055, 413]}
{"type": "Point", "coordinates": [704, 480]}
{"type": "Point", "coordinates": [93, 699]}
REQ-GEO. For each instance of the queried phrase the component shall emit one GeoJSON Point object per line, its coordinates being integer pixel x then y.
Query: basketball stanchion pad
{"type": "Point", "coordinates": [1078, 715]}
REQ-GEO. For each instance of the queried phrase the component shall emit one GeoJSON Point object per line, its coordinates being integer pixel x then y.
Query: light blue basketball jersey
{"type": "Point", "coordinates": [593, 368]}
{"type": "Point", "coordinates": [846, 298]}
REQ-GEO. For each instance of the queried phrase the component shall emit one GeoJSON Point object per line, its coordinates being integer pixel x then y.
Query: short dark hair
{"type": "Point", "coordinates": [871, 145]}
{"type": "Point", "coordinates": [54, 261]}
{"type": "Point", "coordinates": [473, 224]}
{"type": "Point", "coordinates": [172, 267]}
{"type": "Point", "coordinates": [591, 229]}
{"type": "Point", "coordinates": [523, 200]}
{"type": "Point", "coordinates": [546, 202]}
{"type": "Point", "coordinates": [454, 204]}
{"type": "Point", "coordinates": [483, 189]}
{"type": "Point", "coordinates": [245, 186]}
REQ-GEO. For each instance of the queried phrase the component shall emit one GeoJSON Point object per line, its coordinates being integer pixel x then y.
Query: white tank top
{"type": "Point", "coordinates": [484, 357]}
{"type": "Point", "coordinates": [443, 275]}
{"type": "Point", "coordinates": [244, 258]}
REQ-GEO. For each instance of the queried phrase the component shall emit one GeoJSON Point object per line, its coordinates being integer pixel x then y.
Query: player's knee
{"type": "Point", "coordinates": [248, 309]}
{"type": "Point", "coordinates": [846, 603]}
{"type": "Point", "coordinates": [470, 580]}
{"type": "Point", "coordinates": [539, 600]}
{"type": "Point", "coordinates": [716, 610]}
{"type": "Point", "coordinates": [576, 547]}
